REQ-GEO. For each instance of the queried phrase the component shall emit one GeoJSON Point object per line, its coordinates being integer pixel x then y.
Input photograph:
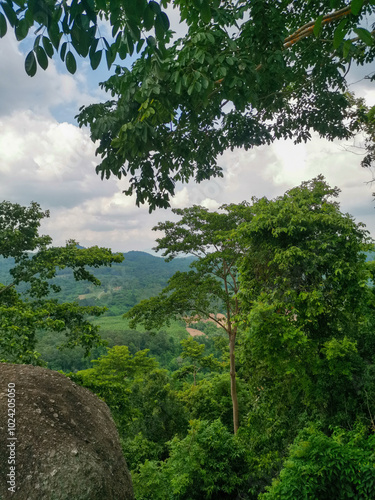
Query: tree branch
{"type": "Point", "coordinates": [307, 29]}
{"type": "Point", "coordinates": [5, 288]}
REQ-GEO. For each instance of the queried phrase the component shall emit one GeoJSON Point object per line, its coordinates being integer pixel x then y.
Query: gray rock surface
{"type": "Point", "coordinates": [65, 444]}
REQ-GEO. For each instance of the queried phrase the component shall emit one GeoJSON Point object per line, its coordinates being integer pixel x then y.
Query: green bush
{"type": "Point", "coordinates": [321, 467]}
{"type": "Point", "coordinates": [209, 463]}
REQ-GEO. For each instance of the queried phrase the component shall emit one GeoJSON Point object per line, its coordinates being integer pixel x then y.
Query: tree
{"type": "Point", "coordinates": [145, 408]}
{"type": "Point", "coordinates": [228, 83]}
{"type": "Point", "coordinates": [212, 283]}
{"type": "Point", "coordinates": [193, 351]}
{"type": "Point", "coordinates": [308, 299]}
{"type": "Point", "coordinates": [365, 123]}
{"type": "Point", "coordinates": [26, 303]}
{"type": "Point", "coordinates": [64, 28]}
{"type": "Point", "coordinates": [318, 466]}
{"type": "Point", "coordinates": [208, 463]}
{"type": "Point", "coordinates": [245, 74]}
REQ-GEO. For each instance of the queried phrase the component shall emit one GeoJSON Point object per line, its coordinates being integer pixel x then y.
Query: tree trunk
{"type": "Point", "coordinates": [233, 388]}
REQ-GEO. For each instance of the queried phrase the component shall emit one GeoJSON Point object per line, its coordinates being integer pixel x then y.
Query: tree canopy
{"type": "Point", "coordinates": [26, 302]}
{"type": "Point", "coordinates": [211, 286]}
{"type": "Point", "coordinates": [245, 74]}
{"type": "Point", "coordinates": [308, 298]}
{"type": "Point", "coordinates": [305, 316]}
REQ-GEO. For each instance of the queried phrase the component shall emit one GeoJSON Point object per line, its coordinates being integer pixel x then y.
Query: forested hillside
{"type": "Point", "coordinates": [139, 276]}
{"type": "Point", "coordinates": [275, 401]}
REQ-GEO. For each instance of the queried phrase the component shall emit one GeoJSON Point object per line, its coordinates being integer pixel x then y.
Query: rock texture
{"type": "Point", "coordinates": [66, 447]}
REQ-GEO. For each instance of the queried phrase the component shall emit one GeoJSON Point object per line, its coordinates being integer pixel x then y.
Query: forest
{"type": "Point", "coordinates": [276, 398]}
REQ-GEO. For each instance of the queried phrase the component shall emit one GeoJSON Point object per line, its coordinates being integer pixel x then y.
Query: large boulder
{"type": "Point", "coordinates": [64, 444]}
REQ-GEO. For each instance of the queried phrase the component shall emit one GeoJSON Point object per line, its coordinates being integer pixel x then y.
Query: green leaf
{"type": "Point", "coordinates": [22, 29]}
{"type": "Point", "coordinates": [85, 21]}
{"type": "Point", "coordinates": [160, 26]}
{"type": "Point", "coordinates": [318, 25]}
{"type": "Point", "coordinates": [80, 40]}
{"type": "Point", "coordinates": [140, 45]}
{"type": "Point", "coordinates": [48, 47]}
{"type": "Point", "coordinates": [155, 7]}
{"type": "Point", "coordinates": [41, 57]}
{"type": "Point", "coordinates": [70, 62]}
{"type": "Point", "coordinates": [64, 46]}
{"type": "Point", "coordinates": [139, 8]}
{"type": "Point", "coordinates": [110, 56]}
{"type": "Point", "coordinates": [37, 41]}
{"type": "Point", "coordinates": [129, 44]}
{"type": "Point", "coordinates": [164, 20]}
{"type": "Point", "coordinates": [206, 12]}
{"type": "Point", "coordinates": [95, 59]}
{"type": "Point", "coordinates": [346, 48]}
{"type": "Point", "coordinates": [30, 63]}
{"type": "Point", "coordinates": [101, 4]}
{"type": "Point", "coordinates": [340, 33]}
{"type": "Point", "coordinates": [3, 25]}
{"type": "Point", "coordinates": [54, 34]}
{"type": "Point", "coordinates": [9, 12]}
{"type": "Point", "coordinates": [122, 45]}
{"type": "Point", "coordinates": [364, 35]}
{"type": "Point", "coordinates": [356, 6]}
{"type": "Point", "coordinates": [29, 16]}
{"type": "Point", "coordinates": [148, 18]}
{"type": "Point", "coordinates": [134, 29]}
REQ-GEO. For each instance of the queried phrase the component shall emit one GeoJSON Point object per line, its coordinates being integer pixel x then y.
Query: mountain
{"type": "Point", "coordinates": [140, 276]}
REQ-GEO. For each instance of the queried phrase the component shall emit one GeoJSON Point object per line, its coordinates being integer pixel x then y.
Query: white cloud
{"type": "Point", "coordinates": [52, 160]}
{"type": "Point", "coordinates": [51, 92]}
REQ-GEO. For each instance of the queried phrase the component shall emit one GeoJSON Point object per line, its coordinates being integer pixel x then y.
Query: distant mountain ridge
{"type": "Point", "coordinates": [140, 276]}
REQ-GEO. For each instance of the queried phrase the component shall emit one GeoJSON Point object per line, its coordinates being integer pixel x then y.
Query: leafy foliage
{"type": "Point", "coordinates": [210, 286]}
{"type": "Point", "coordinates": [208, 463]}
{"type": "Point", "coordinates": [21, 316]}
{"type": "Point", "coordinates": [245, 74]}
{"type": "Point", "coordinates": [193, 351]}
{"type": "Point", "coordinates": [295, 277]}
{"type": "Point", "coordinates": [145, 408]}
{"type": "Point", "coordinates": [304, 284]}
{"type": "Point", "coordinates": [68, 29]}
{"type": "Point", "coordinates": [319, 466]}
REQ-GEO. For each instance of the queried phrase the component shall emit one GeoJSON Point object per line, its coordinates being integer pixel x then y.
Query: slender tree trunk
{"type": "Point", "coordinates": [233, 388]}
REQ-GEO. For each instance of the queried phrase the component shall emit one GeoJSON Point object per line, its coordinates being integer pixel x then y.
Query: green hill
{"type": "Point", "coordinates": [138, 277]}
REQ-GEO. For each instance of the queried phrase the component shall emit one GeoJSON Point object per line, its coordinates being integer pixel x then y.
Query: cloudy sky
{"type": "Point", "coordinates": [46, 158]}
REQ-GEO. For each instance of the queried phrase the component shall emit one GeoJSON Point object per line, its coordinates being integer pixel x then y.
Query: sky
{"type": "Point", "coordinates": [47, 158]}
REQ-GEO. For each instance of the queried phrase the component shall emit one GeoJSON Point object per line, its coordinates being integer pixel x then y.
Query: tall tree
{"type": "Point", "coordinates": [26, 302]}
{"type": "Point", "coordinates": [245, 74]}
{"type": "Point", "coordinates": [307, 301]}
{"type": "Point", "coordinates": [211, 285]}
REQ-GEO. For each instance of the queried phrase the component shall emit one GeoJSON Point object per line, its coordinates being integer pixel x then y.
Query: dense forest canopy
{"type": "Point", "coordinates": [304, 358]}
{"type": "Point", "coordinates": [280, 390]}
